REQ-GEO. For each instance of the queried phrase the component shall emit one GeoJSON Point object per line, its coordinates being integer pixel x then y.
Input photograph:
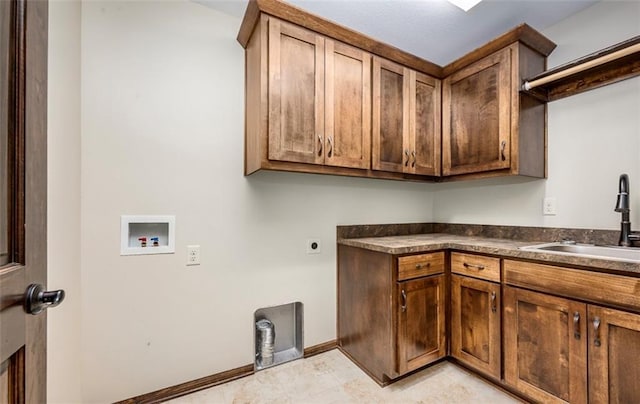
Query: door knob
{"type": "Point", "coordinates": [37, 299]}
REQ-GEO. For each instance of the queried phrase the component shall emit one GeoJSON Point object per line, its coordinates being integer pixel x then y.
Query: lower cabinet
{"type": "Point", "coordinates": [561, 350]}
{"type": "Point", "coordinates": [391, 310]}
{"type": "Point", "coordinates": [544, 346]}
{"type": "Point", "coordinates": [421, 334]}
{"type": "Point", "coordinates": [475, 324]}
{"type": "Point", "coordinates": [614, 356]}
{"type": "Point", "coordinates": [551, 349]}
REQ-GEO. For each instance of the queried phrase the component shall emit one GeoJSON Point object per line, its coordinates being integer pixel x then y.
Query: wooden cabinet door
{"type": "Point", "coordinates": [421, 332]}
{"type": "Point", "coordinates": [296, 94]}
{"type": "Point", "coordinates": [424, 124]}
{"type": "Point", "coordinates": [545, 348]}
{"type": "Point", "coordinates": [475, 323]}
{"type": "Point", "coordinates": [406, 120]}
{"type": "Point", "coordinates": [614, 356]}
{"type": "Point", "coordinates": [390, 123]}
{"type": "Point", "coordinates": [347, 106]}
{"type": "Point", "coordinates": [476, 124]}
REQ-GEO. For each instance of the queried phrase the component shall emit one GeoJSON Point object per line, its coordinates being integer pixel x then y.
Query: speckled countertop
{"type": "Point", "coordinates": [417, 243]}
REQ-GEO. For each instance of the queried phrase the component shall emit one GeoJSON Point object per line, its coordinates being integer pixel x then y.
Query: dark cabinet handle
{"type": "Point", "coordinates": [413, 154]}
{"type": "Point", "coordinates": [320, 143]}
{"type": "Point", "coordinates": [478, 267]}
{"type": "Point", "coordinates": [494, 308]}
{"type": "Point", "coordinates": [404, 301]}
{"type": "Point", "coordinates": [503, 145]}
{"type": "Point", "coordinates": [330, 152]}
{"type": "Point", "coordinates": [406, 153]}
{"type": "Point", "coordinates": [576, 325]}
{"type": "Point", "coordinates": [596, 331]}
{"type": "Point", "coordinates": [423, 265]}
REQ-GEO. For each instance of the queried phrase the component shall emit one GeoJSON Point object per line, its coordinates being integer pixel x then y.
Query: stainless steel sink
{"type": "Point", "coordinates": [589, 250]}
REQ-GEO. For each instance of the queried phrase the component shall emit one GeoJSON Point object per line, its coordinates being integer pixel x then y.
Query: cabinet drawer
{"type": "Point", "coordinates": [586, 285]}
{"type": "Point", "coordinates": [415, 266]}
{"type": "Point", "coordinates": [477, 266]}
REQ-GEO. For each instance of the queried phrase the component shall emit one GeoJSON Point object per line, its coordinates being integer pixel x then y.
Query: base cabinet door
{"type": "Point", "coordinates": [475, 323]}
{"type": "Point", "coordinates": [421, 334]}
{"type": "Point", "coordinates": [614, 356]}
{"type": "Point", "coordinates": [544, 346]}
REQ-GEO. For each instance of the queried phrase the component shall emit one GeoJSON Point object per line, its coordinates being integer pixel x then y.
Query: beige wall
{"type": "Point", "coordinates": [63, 232]}
{"type": "Point", "coordinates": [162, 122]}
{"type": "Point", "coordinates": [162, 133]}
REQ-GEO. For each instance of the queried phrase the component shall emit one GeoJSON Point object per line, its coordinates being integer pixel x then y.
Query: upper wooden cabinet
{"type": "Point", "coordinates": [319, 99]}
{"type": "Point", "coordinates": [296, 94]}
{"type": "Point", "coordinates": [488, 126]}
{"type": "Point", "coordinates": [477, 116]}
{"type": "Point", "coordinates": [406, 120]}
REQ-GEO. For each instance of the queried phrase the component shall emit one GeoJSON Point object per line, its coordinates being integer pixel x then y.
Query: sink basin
{"type": "Point", "coordinates": [589, 250]}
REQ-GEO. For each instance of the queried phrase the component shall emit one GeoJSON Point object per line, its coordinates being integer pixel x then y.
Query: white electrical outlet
{"type": "Point", "coordinates": [193, 255]}
{"type": "Point", "coordinates": [313, 246]}
{"type": "Point", "coordinates": [549, 206]}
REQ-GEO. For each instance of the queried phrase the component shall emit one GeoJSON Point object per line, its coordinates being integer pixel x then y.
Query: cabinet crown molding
{"type": "Point", "coordinates": [522, 33]}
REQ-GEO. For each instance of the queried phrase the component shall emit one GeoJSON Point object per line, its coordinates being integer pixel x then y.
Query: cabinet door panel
{"type": "Point", "coordinates": [475, 323]}
{"type": "Point", "coordinates": [544, 347]}
{"type": "Point", "coordinates": [425, 124]}
{"type": "Point", "coordinates": [614, 352]}
{"type": "Point", "coordinates": [421, 330]}
{"type": "Point", "coordinates": [348, 106]}
{"type": "Point", "coordinates": [390, 130]}
{"type": "Point", "coordinates": [476, 116]}
{"type": "Point", "coordinates": [296, 94]}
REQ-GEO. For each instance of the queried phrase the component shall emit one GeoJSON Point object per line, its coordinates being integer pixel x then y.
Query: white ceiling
{"type": "Point", "coordinates": [432, 29]}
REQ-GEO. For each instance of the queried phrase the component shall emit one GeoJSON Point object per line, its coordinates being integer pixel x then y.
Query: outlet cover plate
{"type": "Point", "coordinates": [314, 246]}
{"type": "Point", "coordinates": [549, 207]}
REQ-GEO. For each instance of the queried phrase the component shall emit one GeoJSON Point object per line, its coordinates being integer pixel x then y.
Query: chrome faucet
{"type": "Point", "coordinates": [627, 237]}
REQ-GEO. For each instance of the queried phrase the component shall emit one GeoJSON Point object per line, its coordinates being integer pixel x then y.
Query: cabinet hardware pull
{"type": "Point", "coordinates": [320, 143]}
{"type": "Point", "coordinates": [478, 267]}
{"type": "Point", "coordinates": [406, 153]}
{"type": "Point", "coordinates": [576, 325]}
{"type": "Point", "coordinates": [404, 301]}
{"type": "Point", "coordinates": [596, 329]}
{"type": "Point", "coordinates": [413, 154]}
{"type": "Point", "coordinates": [330, 152]}
{"type": "Point", "coordinates": [425, 265]}
{"type": "Point", "coordinates": [493, 302]}
{"type": "Point", "coordinates": [503, 145]}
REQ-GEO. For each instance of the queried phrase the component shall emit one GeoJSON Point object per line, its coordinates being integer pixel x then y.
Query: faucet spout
{"type": "Point", "coordinates": [622, 204]}
{"type": "Point", "coordinates": [627, 237]}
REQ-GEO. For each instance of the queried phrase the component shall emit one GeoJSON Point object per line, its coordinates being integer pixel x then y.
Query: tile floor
{"type": "Point", "coordinates": [332, 378]}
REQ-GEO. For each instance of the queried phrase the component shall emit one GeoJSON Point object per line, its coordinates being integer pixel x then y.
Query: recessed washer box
{"type": "Point", "coordinates": [147, 234]}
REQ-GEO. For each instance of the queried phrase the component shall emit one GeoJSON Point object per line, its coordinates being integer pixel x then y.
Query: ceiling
{"type": "Point", "coordinates": [432, 29]}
